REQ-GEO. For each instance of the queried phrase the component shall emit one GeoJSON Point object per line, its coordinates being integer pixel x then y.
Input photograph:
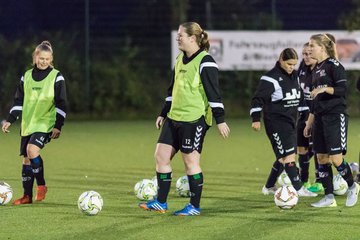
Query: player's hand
{"type": "Point", "coordinates": [307, 130]}
{"type": "Point", "coordinates": [55, 133]}
{"type": "Point", "coordinates": [5, 127]}
{"type": "Point", "coordinates": [256, 126]}
{"type": "Point", "coordinates": [159, 122]}
{"type": "Point", "coordinates": [317, 91]}
{"type": "Point", "coordinates": [224, 129]}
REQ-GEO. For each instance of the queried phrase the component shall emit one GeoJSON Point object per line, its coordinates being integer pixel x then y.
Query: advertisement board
{"type": "Point", "coordinates": [259, 50]}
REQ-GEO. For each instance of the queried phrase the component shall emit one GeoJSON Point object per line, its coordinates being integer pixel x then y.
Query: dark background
{"type": "Point", "coordinates": [126, 70]}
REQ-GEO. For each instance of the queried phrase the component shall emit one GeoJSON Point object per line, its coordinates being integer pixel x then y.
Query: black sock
{"type": "Point", "coordinates": [326, 177]}
{"type": "Point", "coordinates": [345, 171]}
{"type": "Point", "coordinates": [164, 183]}
{"type": "Point", "coordinates": [317, 178]}
{"type": "Point", "coordinates": [304, 163]}
{"type": "Point", "coordinates": [27, 180]}
{"type": "Point", "coordinates": [196, 184]}
{"type": "Point", "coordinates": [310, 153]}
{"type": "Point", "coordinates": [276, 170]}
{"type": "Point", "coordinates": [291, 171]}
{"type": "Point", "coordinates": [37, 166]}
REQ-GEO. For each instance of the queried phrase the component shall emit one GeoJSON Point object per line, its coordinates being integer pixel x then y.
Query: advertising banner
{"type": "Point", "coordinates": [259, 50]}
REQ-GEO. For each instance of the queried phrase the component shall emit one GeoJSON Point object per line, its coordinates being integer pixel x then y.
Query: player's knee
{"type": "Point", "coordinates": [323, 158]}
{"type": "Point", "coordinates": [32, 151]}
{"type": "Point", "coordinates": [302, 150]}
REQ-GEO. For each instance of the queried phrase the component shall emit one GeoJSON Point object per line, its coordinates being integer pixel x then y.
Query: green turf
{"type": "Point", "coordinates": [110, 157]}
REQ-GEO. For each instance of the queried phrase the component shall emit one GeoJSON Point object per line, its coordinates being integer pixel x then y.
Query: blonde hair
{"type": "Point", "coordinates": [43, 46]}
{"type": "Point", "coordinates": [326, 40]}
{"type": "Point", "coordinates": [202, 37]}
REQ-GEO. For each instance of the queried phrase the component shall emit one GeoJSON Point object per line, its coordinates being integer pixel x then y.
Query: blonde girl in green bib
{"type": "Point", "coordinates": [193, 101]}
{"type": "Point", "coordinates": [40, 99]}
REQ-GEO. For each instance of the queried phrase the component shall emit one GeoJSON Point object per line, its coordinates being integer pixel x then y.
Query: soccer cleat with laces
{"type": "Point", "coordinates": [268, 191]}
{"type": "Point", "coordinates": [327, 201]}
{"type": "Point", "coordinates": [26, 199]}
{"type": "Point", "coordinates": [188, 210]}
{"type": "Point", "coordinates": [303, 192]}
{"type": "Point", "coordinates": [352, 195]}
{"type": "Point", "coordinates": [41, 193]}
{"type": "Point", "coordinates": [316, 187]}
{"type": "Point", "coordinates": [154, 205]}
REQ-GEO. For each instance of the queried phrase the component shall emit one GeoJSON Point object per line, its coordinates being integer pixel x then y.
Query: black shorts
{"type": "Point", "coordinates": [186, 136]}
{"type": "Point", "coordinates": [330, 133]}
{"type": "Point", "coordinates": [38, 138]}
{"type": "Point", "coordinates": [282, 136]}
{"type": "Point", "coordinates": [302, 141]}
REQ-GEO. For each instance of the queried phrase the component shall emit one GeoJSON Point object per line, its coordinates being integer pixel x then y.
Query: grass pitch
{"type": "Point", "coordinates": [110, 157]}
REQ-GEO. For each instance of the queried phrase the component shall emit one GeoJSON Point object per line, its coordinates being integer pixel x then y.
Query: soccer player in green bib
{"type": "Point", "coordinates": [193, 100]}
{"type": "Point", "coordinates": [40, 99]}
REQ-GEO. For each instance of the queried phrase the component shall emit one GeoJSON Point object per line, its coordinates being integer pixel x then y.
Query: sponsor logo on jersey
{"type": "Point", "coordinates": [294, 94]}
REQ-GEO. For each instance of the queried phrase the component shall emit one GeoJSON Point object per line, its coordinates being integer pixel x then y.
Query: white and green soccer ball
{"type": "Point", "coordinates": [6, 193]}
{"type": "Point", "coordinates": [182, 186]}
{"type": "Point", "coordinates": [146, 190]}
{"type": "Point", "coordinates": [90, 203]}
{"type": "Point", "coordinates": [284, 180]}
{"type": "Point", "coordinates": [137, 187]}
{"type": "Point", "coordinates": [340, 185]}
{"type": "Point", "coordinates": [286, 197]}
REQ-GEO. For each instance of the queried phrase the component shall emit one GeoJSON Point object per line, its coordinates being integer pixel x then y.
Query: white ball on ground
{"type": "Point", "coordinates": [6, 193]}
{"type": "Point", "coordinates": [146, 190]}
{"type": "Point", "coordinates": [182, 186]}
{"type": "Point", "coordinates": [340, 185]}
{"type": "Point", "coordinates": [90, 203]}
{"type": "Point", "coordinates": [286, 197]}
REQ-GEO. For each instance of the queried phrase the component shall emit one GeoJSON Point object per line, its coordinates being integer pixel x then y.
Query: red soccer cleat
{"type": "Point", "coordinates": [26, 199]}
{"type": "Point", "coordinates": [41, 193]}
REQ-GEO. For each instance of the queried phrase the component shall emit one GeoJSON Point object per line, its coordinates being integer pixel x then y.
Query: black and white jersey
{"type": "Point", "coordinates": [209, 78]}
{"type": "Point", "coordinates": [59, 98]}
{"type": "Point", "coordinates": [279, 96]}
{"type": "Point", "coordinates": [329, 73]}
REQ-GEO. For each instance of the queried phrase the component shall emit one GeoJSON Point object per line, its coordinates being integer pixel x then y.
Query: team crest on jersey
{"type": "Point", "coordinates": [302, 73]}
{"type": "Point", "coordinates": [322, 73]}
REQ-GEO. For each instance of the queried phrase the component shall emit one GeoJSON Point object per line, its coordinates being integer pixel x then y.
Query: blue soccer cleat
{"type": "Point", "coordinates": [154, 205]}
{"type": "Point", "coordinates": [188, 210]}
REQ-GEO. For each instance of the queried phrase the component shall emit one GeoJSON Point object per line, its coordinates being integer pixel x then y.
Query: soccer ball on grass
{"type": "Point", "coordinates": [182, 186]}
{"type": "Point", "coordinates": [146, 190]}
{"type": "Point", "coordinates": [340, 185]}
{"type": "Point", "coordinates": [286, 197]}
{"type": "Point", "coordinates": [90, 203]}
{"type": "Point", "coordinates": [5, 193]}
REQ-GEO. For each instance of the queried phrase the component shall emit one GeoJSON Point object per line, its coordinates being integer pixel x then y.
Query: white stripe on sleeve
{"type": "Point", "coordinates": [61, 112]}
{"type": "Point", "coordinates": [208, 64]}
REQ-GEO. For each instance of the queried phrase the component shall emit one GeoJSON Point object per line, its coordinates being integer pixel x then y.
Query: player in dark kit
{"type": "Point", "coordinates": [278, 96]}
{"type": "Point", "coordinates": [304, 145]}
{"type": "Point", "coordinates": [328, 120]}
